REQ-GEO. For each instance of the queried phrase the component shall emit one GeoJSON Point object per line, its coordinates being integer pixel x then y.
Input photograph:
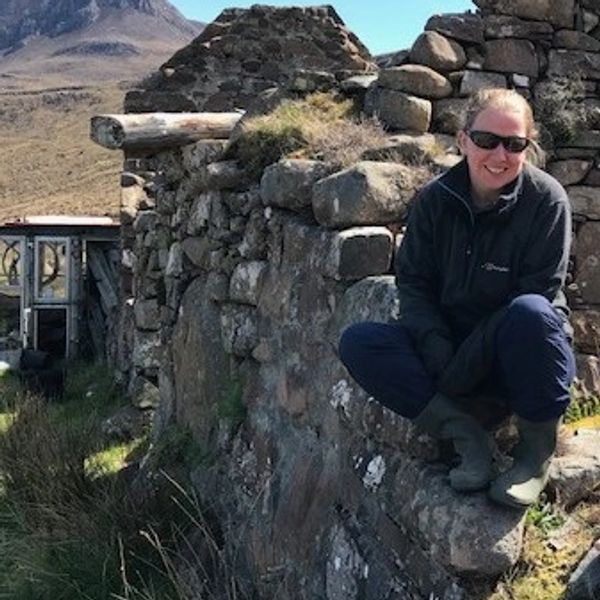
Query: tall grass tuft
{"type": "Point", "coordinates": [320, 126]}
{"type": "Point", "coordinates": [60, 520]}
{"type": "Point", "coordinates": [72, 524]}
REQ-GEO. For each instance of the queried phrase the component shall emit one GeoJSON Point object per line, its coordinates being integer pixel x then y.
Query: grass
{"type": "Point", "coordinates": [554, 543]}
{"type": "Point", "coordinates": [50, 165]}
{"type": "Point", "coordinates": [320, 126]}
{"type": "Point", "coordinates": [75, 525]}
{"type": "Point", "coordinates": [543, 516]}
{"type": "Point", "coordinates": [64, 509]}
{"type": "Point", "coordinates": [584, 405]}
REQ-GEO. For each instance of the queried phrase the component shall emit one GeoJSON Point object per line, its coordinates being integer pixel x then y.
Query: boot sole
{"type": "Point", "coordinates": [505, 500]}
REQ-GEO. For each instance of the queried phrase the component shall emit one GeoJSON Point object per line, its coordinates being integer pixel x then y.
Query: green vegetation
{"type": "Point", "coordinates": [584, 404]}
{"type": "Point", "coordinates": [75, 522]}
{"type": "Point", "coordinates": [231, 406]}
{"type": "Point", "coordinates": [544, 516]}
{"type": "Point", "coordinates": [68, 522]}
{"type": "Point", "coordinates": [553, 545]}
{"type": "Point", "coordinates": [177, 446]}
{"type": "Point", "coordinates": [320, 126]}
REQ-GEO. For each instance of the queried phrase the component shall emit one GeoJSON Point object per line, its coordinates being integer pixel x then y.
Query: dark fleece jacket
{"type": "Point", "coordinates": [457, 270]}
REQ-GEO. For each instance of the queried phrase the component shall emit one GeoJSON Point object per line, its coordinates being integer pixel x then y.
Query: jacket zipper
{"type": "Point", "coordinates": [471, 216]}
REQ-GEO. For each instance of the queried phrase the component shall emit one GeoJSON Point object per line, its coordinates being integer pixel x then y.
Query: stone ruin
{"type": "Point", "coordinates": [243, 52]}
{"type": "Point", "coordinates": [236, 292]}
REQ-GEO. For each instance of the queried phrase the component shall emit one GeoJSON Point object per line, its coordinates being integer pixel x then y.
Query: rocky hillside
{"type": "Point", "coordinates": [68, 42]}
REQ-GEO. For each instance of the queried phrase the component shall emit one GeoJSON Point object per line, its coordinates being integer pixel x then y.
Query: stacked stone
{"type": "Point", "coordinates": [244, 52]}
{"type": "Point", "coordinates": [522, 45]}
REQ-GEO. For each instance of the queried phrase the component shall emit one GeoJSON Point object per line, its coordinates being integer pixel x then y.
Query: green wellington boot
{"type": "Point", "coordinates": [522, 484]}
{"type": "Point", "coordinates": [444, 420]}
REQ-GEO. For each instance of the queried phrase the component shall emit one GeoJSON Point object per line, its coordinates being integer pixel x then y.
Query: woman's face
{"type": "Point", "coordinates": [491, 170]}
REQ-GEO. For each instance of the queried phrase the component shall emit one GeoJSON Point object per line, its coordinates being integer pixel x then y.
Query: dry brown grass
{"type": "Point", "coordinates": [320, 126]}
{"type": "Point", "coordinates": [49, 164]}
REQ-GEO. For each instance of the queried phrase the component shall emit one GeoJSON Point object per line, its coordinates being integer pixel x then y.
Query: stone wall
{"type": "Point", "coordinates": [239, 290]}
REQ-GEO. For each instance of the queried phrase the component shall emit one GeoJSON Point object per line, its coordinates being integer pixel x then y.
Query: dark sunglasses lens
{"type": "Point", "coordinates": [485, 139]}
{"type": "Point", "coordinates": [515, 144]}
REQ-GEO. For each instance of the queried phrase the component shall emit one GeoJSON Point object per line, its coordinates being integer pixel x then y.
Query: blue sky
{"type": "Point", "coordinates": [383, 25]}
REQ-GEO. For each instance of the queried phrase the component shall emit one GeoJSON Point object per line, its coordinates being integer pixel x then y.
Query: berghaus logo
{"type": "Point", "coordinates": [489, 266]}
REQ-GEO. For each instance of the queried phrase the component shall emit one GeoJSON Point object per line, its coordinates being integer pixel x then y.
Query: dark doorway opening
{"type": "Point", "coordinates": [52, 331]}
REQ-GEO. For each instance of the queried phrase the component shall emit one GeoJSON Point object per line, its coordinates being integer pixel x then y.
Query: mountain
{"type": "Point", "coordinates": [68, 42]}
{"type": "Point", "coordinates": [61, 62]}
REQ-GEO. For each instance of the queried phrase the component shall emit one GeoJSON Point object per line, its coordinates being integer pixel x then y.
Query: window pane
{"type": "Point", "coordinates": [51, 264]}
{"type": "Point", "coordinates": [10, 262]}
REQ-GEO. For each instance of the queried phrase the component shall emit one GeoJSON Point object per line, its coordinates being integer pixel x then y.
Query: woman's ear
{"type": "Point", "coordinates": [461, 141]}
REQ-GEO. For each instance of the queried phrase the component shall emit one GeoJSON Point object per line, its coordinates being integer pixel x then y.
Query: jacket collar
{"type": "Point", "coordinates": [457, 182]}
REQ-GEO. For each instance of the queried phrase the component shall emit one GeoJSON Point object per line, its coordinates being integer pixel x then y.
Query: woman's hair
{"type": "Point", "coordinates": [500, 99]}
{"type": "Point", "coordinates": [508, 101]}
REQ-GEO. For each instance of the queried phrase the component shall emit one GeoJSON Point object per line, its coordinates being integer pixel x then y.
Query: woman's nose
{"type": "Point", "coordinates": [500, 151]}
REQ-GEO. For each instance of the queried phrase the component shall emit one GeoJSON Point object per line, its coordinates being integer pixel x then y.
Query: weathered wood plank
{"type": "Point", "coordinates": [160, 130]}
{"type": "Point", "coordinates": [106, 284]}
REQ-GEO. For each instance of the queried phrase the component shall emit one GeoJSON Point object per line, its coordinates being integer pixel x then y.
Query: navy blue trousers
{"type": "Point", "coordinates": [533, 365]}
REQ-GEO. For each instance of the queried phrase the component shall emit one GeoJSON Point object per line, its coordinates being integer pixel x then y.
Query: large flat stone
{"type": "Point", "coordinates": [575, 473]}
{"type": "Point", "coordinates": [563, 63]}
{"type": "Point", "coordinates": [576, 40]}
{"type": "Point", "coordinates": [438, 52]}
{"type": "Point", "coordinates": [585, 201]}
{"type": "Point", "coordinates": [369, 193]}
{"type": "Point", "coordinates": [561, 14]}
{"type": "Point", "coordinates": [511, 56]}
{"type": "Point", "coordinates": [201, 367]}
{"type": "Point", "coordinates": [569, 172]}
{"type": "Point", "coordinates": [465, 533]}
{"type": "Point", "coordinates": [503, 26]}
{"type": "Point", "coordinates": [418, 80]}
{"type": "Point", "coordinates": [288, 183]}
{"type": "Point", "coordinates": [342, 255]}
{"type": "Point", "coordinates": [587, 251]}
{"type": "Point", "coordinates": [473, 81]}
{"type": "Point", "coordinates": [464, 27]}
{"type": "Point", "coordinates": [359, 252]}
{"type": "Point", "coordinates": [398, 110]}
{"type": "Point", "coordinates": [413, 149]}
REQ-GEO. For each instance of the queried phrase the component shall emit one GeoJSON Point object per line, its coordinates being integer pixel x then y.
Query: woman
{"type": "Point", "coordinates": [479, 273]}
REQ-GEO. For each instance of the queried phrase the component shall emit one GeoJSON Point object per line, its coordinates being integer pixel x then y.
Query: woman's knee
{"type": "Point", "coordinates": [531, 311]}
{"type": "Point", "coordinates": [529, 305]}
{"type": "Point", "coordinates": [354, 341]}
{"type": "Point", "coordinates": [368, 341]}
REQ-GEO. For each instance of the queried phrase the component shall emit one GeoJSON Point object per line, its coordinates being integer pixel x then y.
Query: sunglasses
{"type": "Point", "coordinates": [489, 141]}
